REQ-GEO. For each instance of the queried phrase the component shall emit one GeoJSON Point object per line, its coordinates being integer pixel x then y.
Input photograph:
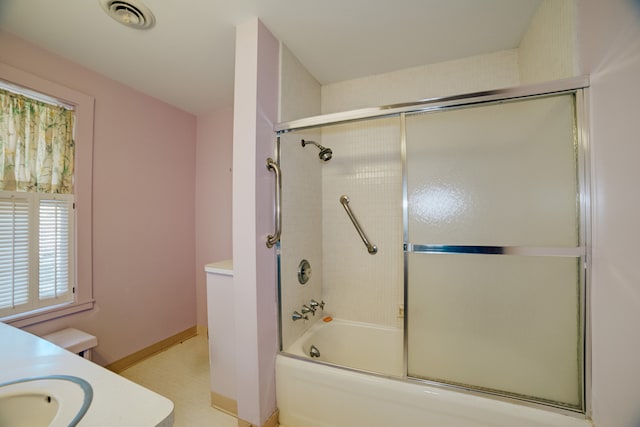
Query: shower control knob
{"type": "Point", "coordinates": [297, 316]}
{"type": "Point", "coordinates": [315, 304]}
{"type": "Point", "coordinates": [307, 309]}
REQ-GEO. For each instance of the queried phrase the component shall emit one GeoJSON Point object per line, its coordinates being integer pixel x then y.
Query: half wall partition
{"type": "Point", "coordinates": [478, 208]}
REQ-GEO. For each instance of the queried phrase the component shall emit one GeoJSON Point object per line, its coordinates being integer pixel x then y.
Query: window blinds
{"type": "Point", "coordinates": [54, 253]}
{"type": "Point", "coordinates": [14, 251]}
{"type": "Point", "coordinates": [35, 251]}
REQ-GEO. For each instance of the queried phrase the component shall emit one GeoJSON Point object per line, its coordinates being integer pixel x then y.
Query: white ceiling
{"type": "Point", "coordinates": [187, 59]}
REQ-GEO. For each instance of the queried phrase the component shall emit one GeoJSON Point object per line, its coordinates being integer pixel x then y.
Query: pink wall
{"type": "Point", "coordinates": [143, 209]}
{"type": "Point", "coordinates": [609, 48]}
{"type": "Point", "coordinates": [214, 153]}
{"type": "Point", "coordinates": [254, 281]}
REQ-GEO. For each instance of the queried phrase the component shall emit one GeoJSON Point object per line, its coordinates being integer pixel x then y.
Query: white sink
{"type": "Point", "coordinates": [52, 401]}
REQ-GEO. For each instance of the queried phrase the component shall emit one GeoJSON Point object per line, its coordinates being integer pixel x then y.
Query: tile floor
{"type": "Point", "coordinates": [181, 373]}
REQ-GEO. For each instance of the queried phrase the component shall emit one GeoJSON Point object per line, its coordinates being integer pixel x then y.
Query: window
{"type": "Point", "coordinates": [36, 251]}
{"type": "Point", "coordinates": [45, 199]}
{"type": "Point", "coordinates": [36, 204]}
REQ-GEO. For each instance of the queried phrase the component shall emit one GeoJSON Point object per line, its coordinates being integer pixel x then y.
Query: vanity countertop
{"type": "Point", "coordinates": [116, 400]}
{"type": "Point", "coordinates": [221, 267]}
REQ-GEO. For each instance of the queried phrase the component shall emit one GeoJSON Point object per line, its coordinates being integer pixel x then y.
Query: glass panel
{"type": "Point", "coordinates": [301, 230]}
{"type": "Point", "coordinates": [495, 175]}
{"type": "Point", "coordinates": [506, 323]}
{"type": "Point", "coordinates": [363, 293]}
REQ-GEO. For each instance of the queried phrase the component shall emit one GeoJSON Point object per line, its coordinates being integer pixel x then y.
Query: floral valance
{"type": "Point", "coordinates": [37, 148]}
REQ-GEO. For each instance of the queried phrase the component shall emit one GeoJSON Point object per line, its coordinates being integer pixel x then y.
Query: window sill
{"type": "Point", "coordinates": [31, 318]}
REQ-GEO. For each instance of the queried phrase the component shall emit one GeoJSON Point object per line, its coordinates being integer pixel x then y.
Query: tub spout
{"type": "Point", "coordinates": [314, 352]}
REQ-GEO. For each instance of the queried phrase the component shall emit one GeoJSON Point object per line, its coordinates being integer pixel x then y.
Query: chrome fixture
{"type": "Point", "coordinates": [272, 239]}
{"type": "Point", "coordinates": [315, 304]}
{"type": "Point", "coordinates": [372, 249]}
{"type": "Point", "coordinates": [314, 352]}
{"type": "Point", "coordinates": [306, 309]}
{"type": "Point", "coordinates": [297, 316]}
{"type": "Point", "coordinates": [571, 84]}
{"type": "Point", "coordinates": [304, 271]}
{"type": "Point", "coordinates": [325, 153]}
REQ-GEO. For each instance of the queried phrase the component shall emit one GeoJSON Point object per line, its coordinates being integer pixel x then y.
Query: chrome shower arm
{"type": "Point", "coordinates": [372, 249]}
{"type": "Point", "coordinates": [325, 153]}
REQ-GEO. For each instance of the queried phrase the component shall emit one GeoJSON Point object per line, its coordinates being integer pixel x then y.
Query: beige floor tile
{"type": "Point", "coordinates": [181, 373]}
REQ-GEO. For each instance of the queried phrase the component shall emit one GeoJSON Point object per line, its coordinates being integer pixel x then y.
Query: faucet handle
{"type": "Point", "coordinates": [307, 309]}
{"type": "Point", "coordinates": [315, 304]}
{"type": "Point", "coordinates": [297, 316]}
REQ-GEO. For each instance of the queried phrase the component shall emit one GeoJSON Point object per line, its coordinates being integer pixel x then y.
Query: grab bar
{"type": "Point", "coordinates": [272, 239]}
{"type": "Point", "coordinates": [372, 249]}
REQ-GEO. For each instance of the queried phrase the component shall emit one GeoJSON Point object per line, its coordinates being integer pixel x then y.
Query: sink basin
{"type": "Point", "coordinates": [53, 400]}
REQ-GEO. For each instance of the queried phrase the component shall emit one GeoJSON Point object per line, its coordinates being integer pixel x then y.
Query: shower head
{"type": "Point", "coordinates": [325, 153]}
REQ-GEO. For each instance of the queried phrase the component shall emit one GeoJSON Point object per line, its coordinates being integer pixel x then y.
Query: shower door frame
{"type": "Point", "coordinates": [578, 86]}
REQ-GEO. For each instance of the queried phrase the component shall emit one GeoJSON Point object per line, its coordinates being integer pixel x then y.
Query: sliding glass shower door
{"type": "Point", "coordinates": [494, 249]}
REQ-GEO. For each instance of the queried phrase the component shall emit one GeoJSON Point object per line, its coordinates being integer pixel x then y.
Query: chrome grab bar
{"type": "Point", "coordinates": [272, 239]}
{"type": "Point", "coordinates": [372, 249]}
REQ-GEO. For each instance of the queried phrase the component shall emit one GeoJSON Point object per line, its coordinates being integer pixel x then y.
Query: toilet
{"type": "Point", "coordinates": [74, 340]}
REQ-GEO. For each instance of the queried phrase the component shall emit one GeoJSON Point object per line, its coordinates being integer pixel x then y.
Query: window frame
{"type": "Point", "coordinates": [83, 177]}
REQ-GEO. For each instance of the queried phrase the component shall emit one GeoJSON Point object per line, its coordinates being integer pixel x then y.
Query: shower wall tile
{"type": "Point", "coordinates": [547, 50]}
{"type": "Point", "coordinates": [301, 230]}
{"type": "Point", "coordinates": [366, 166]}
{"type": "Point", "coordinates": [477, 73]}
{"type": "Point", "coordinates": [300, 96]}
{"type": "Point", "coordinates": [301, 196]}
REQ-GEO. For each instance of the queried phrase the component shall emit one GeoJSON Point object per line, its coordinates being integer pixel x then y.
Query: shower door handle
{"type": "Point", "coordinates": [272, 239]}
{"type": "Point", "coordinates": [372, 249]}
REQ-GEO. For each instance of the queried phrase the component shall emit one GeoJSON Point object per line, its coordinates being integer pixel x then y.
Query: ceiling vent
{"type": "Point", "coordinates": [131, 13]}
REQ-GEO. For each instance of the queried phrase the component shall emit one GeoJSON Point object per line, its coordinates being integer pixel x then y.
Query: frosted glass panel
{"type": "Point", "coordinates": [496, 175]}
{"type": "Point", "coordinates": [507, 323]}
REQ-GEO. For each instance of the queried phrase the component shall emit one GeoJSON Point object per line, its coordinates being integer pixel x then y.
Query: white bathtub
{"type": "Point", "coordinates": [353, 344]}
{"type": "Point", "coordinates": [318, 395]}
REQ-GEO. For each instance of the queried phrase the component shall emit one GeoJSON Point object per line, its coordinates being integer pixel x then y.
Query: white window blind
{"type": "Point", "coordinates": [55, 249]}
{"type": "Point", "coordinates": [36, 251]}
{"type": "Point", "coordinates": [14, 252]}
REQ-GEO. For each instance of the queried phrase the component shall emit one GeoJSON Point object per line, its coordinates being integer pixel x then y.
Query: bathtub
{"type": "Point", "coordinates": [312, 394]}
{"type": "Point", "coordinates": [359, 345]}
